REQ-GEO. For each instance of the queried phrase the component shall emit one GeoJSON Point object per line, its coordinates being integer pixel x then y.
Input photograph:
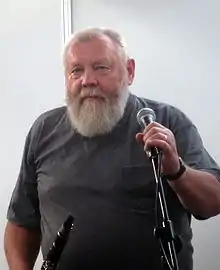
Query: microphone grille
{"type": "Point", "coordinates": [144, 115]}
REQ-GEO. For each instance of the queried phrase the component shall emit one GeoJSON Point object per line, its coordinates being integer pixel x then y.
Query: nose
{"type": "Point", "coordinates": [89, 79]}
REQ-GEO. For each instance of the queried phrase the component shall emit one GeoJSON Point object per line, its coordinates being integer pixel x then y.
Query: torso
{"type": "Point", "coordinates": [107, 184]}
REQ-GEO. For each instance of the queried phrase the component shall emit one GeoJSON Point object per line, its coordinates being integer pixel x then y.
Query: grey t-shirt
{"type": "Point", "coordinates": [107, 184]}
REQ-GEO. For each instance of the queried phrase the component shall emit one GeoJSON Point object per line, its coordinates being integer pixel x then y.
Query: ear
{"type": "Point", "coordinates": [131, 70]}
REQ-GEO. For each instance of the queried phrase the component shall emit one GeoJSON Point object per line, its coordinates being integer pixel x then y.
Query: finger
{"type": "Point", "coordinates": [153, 125]}
{"type": "Point", "coordinates": [139, 137]}
{"type": "Point", "coordinates": [161, 144]}
{"type": "Point", "coordinates": [154, 130]}
{"type": "Point", "coordinates": [157, 135]}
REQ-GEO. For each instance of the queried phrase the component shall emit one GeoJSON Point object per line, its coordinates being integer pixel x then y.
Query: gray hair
{"type": "Point", "coordinates": [92, 33]}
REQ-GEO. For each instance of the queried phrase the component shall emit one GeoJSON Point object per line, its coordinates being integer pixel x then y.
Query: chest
{"type": "Point", "coordinates": [111, 171]}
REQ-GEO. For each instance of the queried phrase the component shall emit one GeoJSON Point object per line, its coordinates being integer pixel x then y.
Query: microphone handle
{"type": "Point", "coordinates": [53, 256]}
{"type": "Point", "coordinates": [153, 152]}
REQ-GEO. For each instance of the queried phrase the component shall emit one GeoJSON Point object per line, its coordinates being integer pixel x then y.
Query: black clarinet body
{"type": "Point", "coordinates": [52, 259]}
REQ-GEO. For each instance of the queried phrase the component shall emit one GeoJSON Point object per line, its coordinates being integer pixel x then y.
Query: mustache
{"type": "Point", "coordinates": [92, 92]}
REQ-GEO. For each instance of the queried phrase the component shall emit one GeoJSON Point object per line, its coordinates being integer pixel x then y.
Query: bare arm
{"type": "Point", "coordinates": [21, 247]}
{"type": "Point", "coordinates": [199, 192]}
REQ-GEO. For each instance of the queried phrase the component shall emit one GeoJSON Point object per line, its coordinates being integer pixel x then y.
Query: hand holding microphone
{"type": "Point", "coordinates": [156, 136]}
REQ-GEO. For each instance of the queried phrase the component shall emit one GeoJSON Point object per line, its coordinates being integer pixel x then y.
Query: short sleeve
{"type": "Point", "coordinates": [191, 148]}
{"type": "Point", "coordinates": [23, 208]}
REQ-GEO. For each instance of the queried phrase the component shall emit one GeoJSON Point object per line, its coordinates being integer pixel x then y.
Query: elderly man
{"type": "Point", "coordinates": [88, 159]}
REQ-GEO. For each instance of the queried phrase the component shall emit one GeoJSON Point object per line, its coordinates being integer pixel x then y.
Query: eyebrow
{"type": "Point", "coordinates": [101, 60]}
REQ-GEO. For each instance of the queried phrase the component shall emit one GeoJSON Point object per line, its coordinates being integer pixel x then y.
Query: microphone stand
{"type": "Point", "coordinates": [163, 231]}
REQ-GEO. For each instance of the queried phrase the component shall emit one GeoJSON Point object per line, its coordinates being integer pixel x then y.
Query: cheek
{"type": "Point", "coordinates": [111, 84]}
{"type": "Point", "coordinates": [73, 87]}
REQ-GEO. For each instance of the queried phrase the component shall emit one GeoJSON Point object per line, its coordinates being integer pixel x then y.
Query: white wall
{"type": "Point", "coordinates": [176, 45]}
{"type": "Point", "coordinates": [31, 82]}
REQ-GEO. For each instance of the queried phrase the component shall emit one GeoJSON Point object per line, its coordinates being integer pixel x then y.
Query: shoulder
{"type": "Point", "coordinates": [49, 118]}
{"type": "Point", "coordinates": [157, 106]}
{"type": "Point", "coordinates": [51, 115]}
{"type": "Point", "coordinates": [166, 114]}
{"type": "Point", "coordinates": [46, 123]}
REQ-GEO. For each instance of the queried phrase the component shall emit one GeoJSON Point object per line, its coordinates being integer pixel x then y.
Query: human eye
{"type": "Point", "coordinates": [76, 70]}
{"type": "Point", "coordinates": [102, 67]}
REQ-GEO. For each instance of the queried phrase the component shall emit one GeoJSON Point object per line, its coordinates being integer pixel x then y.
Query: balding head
{"type": "Point", "coordinates": [98, 33]}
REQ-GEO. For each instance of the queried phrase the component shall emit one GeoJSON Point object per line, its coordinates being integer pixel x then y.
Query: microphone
{"type": "Point", "coordinates": [145, 116]}
{"type": "Point", "coordinates": [53, 256]}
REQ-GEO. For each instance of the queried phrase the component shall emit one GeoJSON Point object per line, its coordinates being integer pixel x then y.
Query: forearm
{"type": "Point", "coordinates": [21, 247]}
{"type": "Point", "coordinates": [199, 192]}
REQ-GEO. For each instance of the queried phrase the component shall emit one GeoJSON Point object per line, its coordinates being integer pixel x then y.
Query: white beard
{"type": "Point", "coordinates": [91, 117]}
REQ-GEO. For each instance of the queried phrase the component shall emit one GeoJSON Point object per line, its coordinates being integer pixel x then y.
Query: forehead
{"type": "Point", "coordinates": [92, 50]}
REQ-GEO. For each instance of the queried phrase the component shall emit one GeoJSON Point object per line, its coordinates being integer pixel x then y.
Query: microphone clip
{"type": "Point", "coordinates": [153, 152]}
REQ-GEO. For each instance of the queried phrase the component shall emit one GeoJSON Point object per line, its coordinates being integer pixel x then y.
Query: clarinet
{"type": "Point", "coordinates": [53, 256]}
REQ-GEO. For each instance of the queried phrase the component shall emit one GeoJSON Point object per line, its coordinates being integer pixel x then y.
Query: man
{"type": "Point", "coordinates": [88, 159]}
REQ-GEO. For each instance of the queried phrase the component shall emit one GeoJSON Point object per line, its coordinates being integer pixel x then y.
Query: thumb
{"type": "Point", "coordinates": [139, 137]}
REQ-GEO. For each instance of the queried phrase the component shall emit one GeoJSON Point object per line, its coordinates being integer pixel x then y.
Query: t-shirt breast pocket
{"type": "Point", "coordinates": [137, 188]}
